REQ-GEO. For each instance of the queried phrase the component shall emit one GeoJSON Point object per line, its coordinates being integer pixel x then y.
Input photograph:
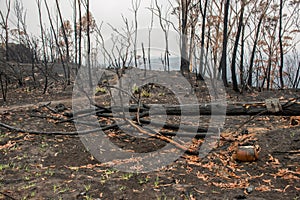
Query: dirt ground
{"type": "Point", "coordinates": [39, 166]}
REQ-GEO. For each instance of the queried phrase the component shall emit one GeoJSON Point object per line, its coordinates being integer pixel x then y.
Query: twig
{"type": "Point", "coordinates": [138, 110]}
{"type": "Point", "coordinates": [7, 196]}
{"type": "Point", "coordinates": [45, 117]}
{"type": "Point", "coordinates": [11, 128]}
{"type": "Point", "coordinates": [187, 128]}
{"type": "Point", "coordinates": [92, 112]}
{"type": "Point", "coordinates": [162, 137]}
{"type": "Point", "coordinates": [49, 108]}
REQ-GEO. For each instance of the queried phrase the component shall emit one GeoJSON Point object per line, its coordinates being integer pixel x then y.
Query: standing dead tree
{"type": "Point", "coordinates": [135, 4]}
{"type": "Point", "coordinates": [149, 36]}
{"type": "Point", "coordinates": [79, 28]}
{"type": "Point", "coordinates": [235, 48]}
{"type": "Point", "coordinates": [165, 26]}
{"type": "Point", "coordinates": [281, 4]}
{"type": "Point", "coordinates": [4, 24]}
{"type": "Point", "coordinates": [66, 41]}
{"type": "Point", "coordinates": [223, 63]}
{"type": "Point", "coordinates": [263, 8]}
{"type": "Point", "coordinates": [56, 40]}
{"type": "Point", "coordinates": [26, 39]}
{"type": "Point", "coordinates": [118, 51]}
{"type": "Point", "coordinates": [184, 7]}
{"type": "Point", "coordinates": [203, 11]}
{"type": "Point", "coordinates": [88, 19]}
{"type": "Point", "coordinates": [75, 33]}
{"type": "Point", "coordinates": [45, 56]}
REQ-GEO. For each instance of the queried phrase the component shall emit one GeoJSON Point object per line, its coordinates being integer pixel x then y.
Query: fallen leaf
{"type": "Point", "coordinates": [273, 161]}
{"type": "Point", "coordinates": [263, 188]}
{"type": "Point", "coordinates": [202, 176]}
{"type": "Point", "coordinates": [287, 174]}
{"type": "Point", "coordinates": [8, 145]}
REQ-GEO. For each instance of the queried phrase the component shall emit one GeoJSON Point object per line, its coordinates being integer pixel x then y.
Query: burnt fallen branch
{"type": "Point", "coordinates": [74, 133]}
{"type": "Point", "coordinates": [163, 138]}
{"type": "Point", "coordinates": [187, 128]}
{"type": "Point", "coordinates": [287, 108]}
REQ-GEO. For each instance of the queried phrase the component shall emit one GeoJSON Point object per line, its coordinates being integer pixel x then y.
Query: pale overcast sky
{"type": "Point", "coordinates": [107, 11]}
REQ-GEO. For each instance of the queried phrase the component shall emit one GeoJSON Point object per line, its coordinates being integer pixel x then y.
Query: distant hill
{"type": "Point", "coordinates": [16, 52]}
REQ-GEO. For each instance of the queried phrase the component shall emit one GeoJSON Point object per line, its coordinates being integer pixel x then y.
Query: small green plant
{"type": "Point", "coordinates": [58, 189]}
{"type": "Point", "coordinates": [26, 168]}
{"type": "Point", "coordinates": [87, 187]}
{"type": "Point", "coordinates": [102, 181]}
{"type": "Point", "coordinates": [49, 172]}
{"type": "Point", "coordinates": [145, 94]}
{"type": "Point", "coordinates": [27, 89]}
{"type": "Point", "coordinates": [55, 188]}
{"type": "Point", "coordinates": [3, 166]}
{"type": "Point", "coordinates": [109, 172]}
{"type": "Point", "coordinates": [142, 181]}
{"type": "Point", "coordinates": [127, 176]}
{"type": "Point", "coordinates": [32, 194]}
{"type": "Point", "coordinates": [13, 165]}
{"type": "Point", "coordinates": [292, 134]}
{"type": "Point", "coordinates": [135, 89]}
{"type": "Point", "coordinates": [100, 89]}
{"type": "Point", "coordinates": [63, 190]}
{"type": "Point", "coordinates": [26, 187]}
{"type": "Point", "coordinates": [156, 182]}
{"type": "Point", "coordinates": [19, 157]}
{"type": "Point", "coordinates": [44, 145]}
{"type": "Point", "coordinates": [88, 197]}
{"type": "Point", "coordinates": [163, 197]}
{"type": "Point", "coordinates": [122, 188]}
{"type": "Point", "coordinates": [38, 174]}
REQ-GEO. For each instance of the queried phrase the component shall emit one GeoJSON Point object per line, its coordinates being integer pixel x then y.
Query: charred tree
{"type": "Point", "coordinates": [223, 63]}
{"type": "Point", "coordinates": [235, 49]}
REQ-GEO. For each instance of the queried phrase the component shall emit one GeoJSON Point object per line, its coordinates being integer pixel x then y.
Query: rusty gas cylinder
{"type": "Point", "coordinates": [246, 153]}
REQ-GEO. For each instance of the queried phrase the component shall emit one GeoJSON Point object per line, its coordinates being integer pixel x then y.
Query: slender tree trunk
{"type": "Point", "coordinates": [3, 84]}
{"type": "Point", "coordinates": [149, 40]}
{"type": "Point", "coordinates": [79, 35]}
{"type": "Point", "coordinates": [75, 34]}
{"type": "Point", "coordinates": [297, 77]}
{"type": "Point", "coordinates": [235, 49]}
{"type": "Point", "coordinates": [250, 77]}
{"type": "Point", "coordinates": [88, 43]}
{"type": "Point", "coordinates": [165, 29]}
{"type": "Point", "coordinates": [56, 40]}
{"type": "Point", "coordinates": [45, 61]}
{"type": "Point", "coordinates": [192, 41]}
{"type": "Point", "coordinates": [269, 70]}
{"type": "Point", "coordinates": [5, 25]}
{"type": "Point", "coordinates": [135, 7]}
{"type": "Point", "coordinates": [184, 67]}
{"type": "Point", "coordinates": [66, 42]}
{"type": "Point", "coordinates": [242, 81]}
{"type": "Point", "coordinates": [223, 63]}
{"type": "Point", "coordinates": [201, 67]}
{"type": "Point", "coordinates": [281, 46]}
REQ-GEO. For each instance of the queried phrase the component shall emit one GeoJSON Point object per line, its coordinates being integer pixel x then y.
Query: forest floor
{"type": "Point", "coordinates": [39, 166]}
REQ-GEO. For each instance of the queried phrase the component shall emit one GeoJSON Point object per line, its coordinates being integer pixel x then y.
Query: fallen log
{"type": "Point", "coordinates": [285, 108]}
